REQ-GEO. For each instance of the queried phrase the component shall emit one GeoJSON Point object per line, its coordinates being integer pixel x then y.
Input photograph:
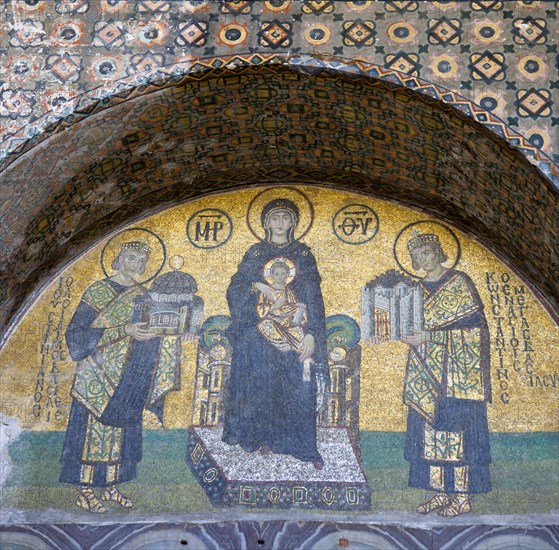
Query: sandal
{"type": "Point", "coordinates": [87, 500]}
{"type": "Point", "coordinates": [112, 493]}
{"type": "Point", "coordinates": [440, 500]}
{"type": "Point", "coordinates": [459, 504]}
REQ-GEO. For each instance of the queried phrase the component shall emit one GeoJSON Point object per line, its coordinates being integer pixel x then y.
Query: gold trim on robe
{"type": "Point", "coordinates": [98, 375]}
{"type": "Point", "coordinates": [436, 477]}
{"type": "Point", "coordinates": [450, 364]}
{"type": "Point", "coordinates": [441, 446]}
{"type": "Point", "coordinates": [282, 327]}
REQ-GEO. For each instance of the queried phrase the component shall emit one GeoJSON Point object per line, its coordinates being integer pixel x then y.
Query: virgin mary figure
{"type": "Point", "coordinates": [271, 400]}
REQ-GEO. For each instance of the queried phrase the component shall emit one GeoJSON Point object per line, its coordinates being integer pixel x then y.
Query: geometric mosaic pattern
{"type": "Point", "coordinates": [64, 60]}
{"type": "Point", "coordinates": [496, 62]}
{"type": "Point", "coordinates": [500, 56]}
{"type": "Point", "coordinates": [215, 128]}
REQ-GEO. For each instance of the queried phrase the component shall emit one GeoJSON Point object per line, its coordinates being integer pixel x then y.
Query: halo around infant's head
{"type": "Point", "coordinates": [267, 272]}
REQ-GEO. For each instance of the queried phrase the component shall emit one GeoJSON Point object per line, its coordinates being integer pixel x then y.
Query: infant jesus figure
{"type": "Point", "coordinates": [282, 317]}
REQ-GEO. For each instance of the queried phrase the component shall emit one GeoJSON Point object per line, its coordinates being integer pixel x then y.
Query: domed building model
{"type": "Point", "coordinates": [172, 304]}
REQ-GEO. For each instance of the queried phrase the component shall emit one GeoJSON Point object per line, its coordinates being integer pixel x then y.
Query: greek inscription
{"type": "Point", "coordinates": [355, 224]}
{"type": "Point", "coordinates": [209, 228]}
{"type": "Point", "coordinates": [544, 380]}
{"type": "Point", "coordinates": [512, 340]}
{"type": "Point", "coordinates": [47, 403]}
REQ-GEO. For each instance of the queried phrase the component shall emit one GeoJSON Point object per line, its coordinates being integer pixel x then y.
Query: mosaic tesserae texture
{"type": "Point", "coordinates": [409, 398]}
{"type": "Point", "coordinates": [490, 63]}
{"type": "Point", "coordinates": [278, 349]}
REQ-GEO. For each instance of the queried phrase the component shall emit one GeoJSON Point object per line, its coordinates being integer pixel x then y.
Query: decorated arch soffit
{"type": "Point", "coordinates": [244, 121]}
{"type": "Point", "coordinates": [83, 105]}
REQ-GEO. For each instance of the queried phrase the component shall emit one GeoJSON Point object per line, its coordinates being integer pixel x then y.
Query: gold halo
{"type": "Point", "coordinates": [267, 274]}
{"type": "Point", "coordinates": [261, 199]}
{"type": "Point", "coordinates": [157, 257]}
{"type": "Point", "coordinates": [448, 239]}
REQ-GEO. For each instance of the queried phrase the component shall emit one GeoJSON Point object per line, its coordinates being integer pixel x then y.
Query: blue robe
{"type": "Point", "coordinates": [448, 450]}
{"type": "Point", "coordinates": [103, 442]}
{"type": "Point", "coordinates": [267, 402]}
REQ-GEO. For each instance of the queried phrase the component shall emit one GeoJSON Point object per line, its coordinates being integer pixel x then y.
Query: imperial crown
{"type": "Point", "coordinates": [140, 246]}
{"type": "Point", "coordinates": [422, 238]}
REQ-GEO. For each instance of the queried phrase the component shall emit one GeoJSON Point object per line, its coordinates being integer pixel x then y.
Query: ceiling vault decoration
{"type": "Point", "coordinates": [222, 128]}
{"type": "Point", "coordinates": [282, 257]}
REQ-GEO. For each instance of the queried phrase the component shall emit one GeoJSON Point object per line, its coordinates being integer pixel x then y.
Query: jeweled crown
{"type": "Point", "coordinates": [139, 246]}
{"type": "Point", "coordinates": [422, 238]}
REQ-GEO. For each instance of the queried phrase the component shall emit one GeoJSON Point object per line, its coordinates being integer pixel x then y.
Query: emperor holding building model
{"type": "Point", "coordinates": [447, 385]}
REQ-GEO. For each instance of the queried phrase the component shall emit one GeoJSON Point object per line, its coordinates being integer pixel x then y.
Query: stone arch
{"type": "Point", "coordinates": [218, 128]}
{"type": "Point", "coordinates": [82, 105]}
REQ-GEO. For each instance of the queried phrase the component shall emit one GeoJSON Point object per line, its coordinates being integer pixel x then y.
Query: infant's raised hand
{"type": "Point", "coordinates": [265, 289]}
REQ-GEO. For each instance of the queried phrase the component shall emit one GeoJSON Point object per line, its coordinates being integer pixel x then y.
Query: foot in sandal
{"type": "Point", "coordinates": [88, 500]}
{"type": "Point", "coordinates": [459, 504]}
{"type": "Point", "coordinates": [112, 493]}
{"type": "Point", "coordinates": [440, 500]}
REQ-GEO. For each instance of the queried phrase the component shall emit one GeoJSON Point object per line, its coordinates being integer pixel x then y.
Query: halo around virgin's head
{"type": "Point", "coordinates": [294, 201]}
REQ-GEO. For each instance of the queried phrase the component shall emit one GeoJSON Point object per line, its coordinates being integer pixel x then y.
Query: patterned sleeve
{"type": "Point", "coordinates": [81, 338]}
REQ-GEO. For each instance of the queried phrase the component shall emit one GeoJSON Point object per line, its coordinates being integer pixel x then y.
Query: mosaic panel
{"type": "Point", "coordinates": [494, 61]}
{"type": "Point", "coordinates": [382, 139]}
{"type": "Point", "coordinates": [329, 353]}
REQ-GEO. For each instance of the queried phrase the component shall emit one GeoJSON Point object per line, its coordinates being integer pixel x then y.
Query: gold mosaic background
{"type": "Point", "coordinates": [526, 401]}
